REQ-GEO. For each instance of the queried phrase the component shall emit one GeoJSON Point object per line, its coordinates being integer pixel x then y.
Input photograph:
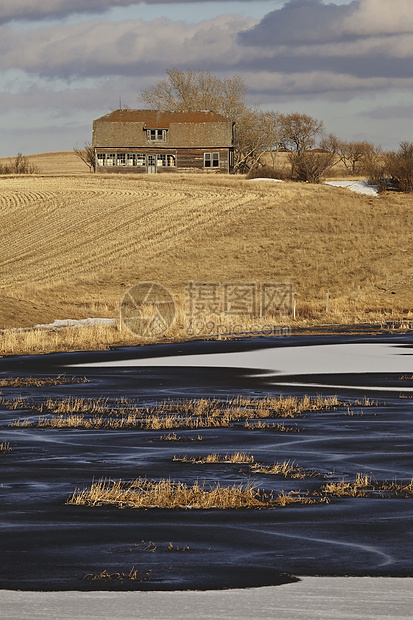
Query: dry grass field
{"type": "Point", "coordinates": [74, 242]}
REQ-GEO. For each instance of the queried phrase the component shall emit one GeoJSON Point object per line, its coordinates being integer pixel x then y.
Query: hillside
{"type": "Point", "coordinates": [71, 245]}
{"type": "Point", "coordinates": [60, 162]}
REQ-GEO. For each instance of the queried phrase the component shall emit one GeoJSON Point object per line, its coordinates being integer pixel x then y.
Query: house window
{"type": "Point", "coordinates": [211, 160]}
{"type": "Point", "coordinates": [101, 159]}
{"type": "Point", "coordinates": [165, 160]}
{"type": "Point", "coordinates": [140, 159]}
{"type": "Point", "coordinates": [130, 159]}
{"type": "Point", "coordinates": [111, 159]}
{"type": "Point", "coordinates": [156, 135]}
{"type": "Point", "coordinates": [121, 159]}
{"type": "Point", "coordinates": [161, 160]}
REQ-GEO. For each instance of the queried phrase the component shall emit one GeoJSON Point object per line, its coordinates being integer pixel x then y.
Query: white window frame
{"type": "Point", "coordinates": [156, 135]}
{"type": "Point", "coordinates": [211, 160]}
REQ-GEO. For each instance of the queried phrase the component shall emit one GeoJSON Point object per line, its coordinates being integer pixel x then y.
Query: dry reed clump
{"type": "Point", "coordinates": [288, 469]}
{"type": "Point", "coordinates": [143, 493]}
{"type": "Point", "coordinates": [296, 497]}
{"type": "Point", "coordinates": [191, 415]}
{"type": "Point", "coordinates": [15, 403]}
{"type": "Point", "coordinates": [5, 447]}
{"type": "Point", "coordinates": [237, 457]}
{"type": "Point", "coordinates": [12, 382]}
{"type": "Point", "coordinates": [133, 575]}
{"type": "Point", "coordinates": [204, 413]}
{"type": "Point", "coordinates": [282, 428]}
{"type": "Point", "coordinates": [150, 547]}
{"type": "Point", "coordinates": [365, 485]}
{"type": "Point", "coordinates": [175, 437]}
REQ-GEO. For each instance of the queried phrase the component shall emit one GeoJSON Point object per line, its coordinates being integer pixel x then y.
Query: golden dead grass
{"type": "Point", "coordinates": [190, 414]}
{"type": "Point", "coordinates": [143, 493]}
{"type": "Point", "coordinates": [133, 575]}
{"type": "Point", "coordinates": [72, 245]}
{"type": "Point", "coordinates": [12, 382]}
{"type": "Point", "coordinates": [288, 469]}
{"type": "Point", "coordinates": [237, 457]}
{"type": "Point", "coordinates": [365, 485]}
{"type": "Point", "coordinates": [175, 437]}
{"type": "Point", "coordinates": [5, 447]}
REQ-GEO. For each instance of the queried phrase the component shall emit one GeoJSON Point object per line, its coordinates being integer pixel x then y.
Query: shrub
{"type": "Point", "coordinates": [311, 166]}
{"type": "Point", "coordinates": [21, 164]}
{"type": "Point", "coordinates": [399, 165]}
{"type": "Point", "coordinates": [374, 167]}
{"type": "Point", "coordinates": [266, 172]}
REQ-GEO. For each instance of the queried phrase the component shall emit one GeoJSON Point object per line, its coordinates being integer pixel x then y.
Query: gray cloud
{"type": "Point", "coordinates": [359, 50]}
{"type": "Point", "coordinates": [389, 111]}
{"type": "Point", "coordinates": [311, 22]}
{"type": "Point", "coordinates": [33, 10]}
{"type": "Point", "coordinates": [300, 22]}
{"type": "Point", "coordinates": [102, 48]}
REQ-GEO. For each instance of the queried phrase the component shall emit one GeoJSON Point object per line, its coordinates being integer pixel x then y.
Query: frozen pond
{"type": "Point", "coordinates": [48, 545]}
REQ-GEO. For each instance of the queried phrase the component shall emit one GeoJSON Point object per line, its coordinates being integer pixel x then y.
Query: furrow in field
{"type": "Point", "coordinates": [46, 229]}
{"type": "Point", "coordinates": [155, 229]}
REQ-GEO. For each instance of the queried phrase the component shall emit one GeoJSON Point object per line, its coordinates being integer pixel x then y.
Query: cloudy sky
{"type": "Point", "coordinates": [65, 62]}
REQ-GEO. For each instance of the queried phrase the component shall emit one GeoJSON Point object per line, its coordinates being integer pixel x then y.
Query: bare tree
{"type": "Point", "coordinates": [311, 166]}
{"type": "Point", "coordinates": [272, 129]}
{"type": "Point", "coordinates": [201, 90]}
{"type": "Point", "coordinates": [87, 155]}
{"type": "Point", "coordinates": [251, 140]}
{"type": "Point", "coordinates": [399, 165]}
{"type": "Point", "coordinates": [374, 166]}
{"type": "Point", "coordinates": [300, 132]}
{"type": "Point", "coordinates": [197, 90]}
{"type": "Point", "coordinates": [352, 154]}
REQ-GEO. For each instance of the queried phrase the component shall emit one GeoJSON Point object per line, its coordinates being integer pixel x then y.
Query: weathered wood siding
{"type": "Point", "coordinates": [186, 160]}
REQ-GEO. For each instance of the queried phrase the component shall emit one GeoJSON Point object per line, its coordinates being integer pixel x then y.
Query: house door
{"type": "Point", "coordinates": [151, 164]}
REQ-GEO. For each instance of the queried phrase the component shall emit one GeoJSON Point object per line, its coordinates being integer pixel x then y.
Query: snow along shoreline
{"type": "Point", "coordinates": [312, 598]}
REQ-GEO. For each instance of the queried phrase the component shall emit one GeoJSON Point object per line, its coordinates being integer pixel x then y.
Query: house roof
{"type": "Point", "coordinates": [154, 119]}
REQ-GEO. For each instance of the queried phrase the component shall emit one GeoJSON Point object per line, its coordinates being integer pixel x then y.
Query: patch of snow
{"type": "Point", "coordinates": [61, 324]}
{"type": "Point", "coordinates": [361, 187]}
{"type": "Point", "coordinates": [266, 179]}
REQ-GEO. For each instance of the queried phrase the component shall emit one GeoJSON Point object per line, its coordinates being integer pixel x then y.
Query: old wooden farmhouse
{"type": "Point", "coordinates": [148, 141]}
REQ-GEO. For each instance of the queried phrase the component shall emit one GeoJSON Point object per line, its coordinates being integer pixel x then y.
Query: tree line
{"type": "Point", "coordinates": [312, 153]}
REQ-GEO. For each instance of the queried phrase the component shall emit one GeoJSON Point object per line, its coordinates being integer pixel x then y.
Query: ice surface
{"type": "Point", "coordinates": [314, 359]}
{"type": "Point", "coordinates": [332, 598]}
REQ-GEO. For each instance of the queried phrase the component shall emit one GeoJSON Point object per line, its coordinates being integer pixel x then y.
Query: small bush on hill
{"type": "Point", "coordinates": [267, 172]}
{"type": "Point", "coordinates": [311, 166]}
{"type": "Point", "coordinates": [21, 164]}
